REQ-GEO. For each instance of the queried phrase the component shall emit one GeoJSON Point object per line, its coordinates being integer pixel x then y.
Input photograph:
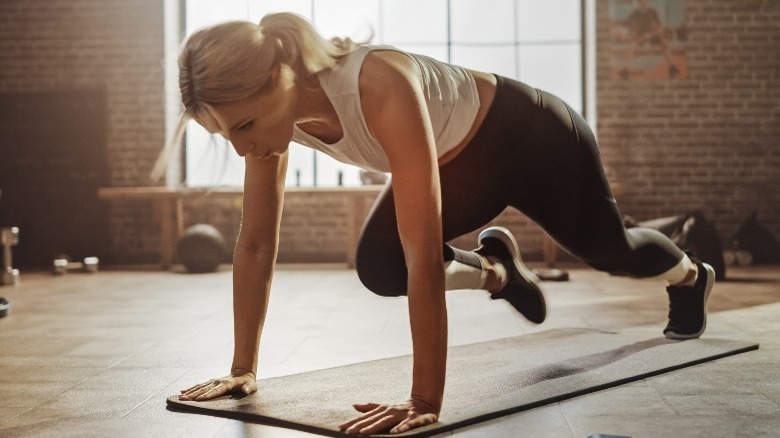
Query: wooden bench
{"type": "Point", "coordinates": [169, 208]}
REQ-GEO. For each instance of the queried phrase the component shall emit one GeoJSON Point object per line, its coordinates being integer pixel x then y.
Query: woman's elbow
{"type": "Point", "coordinates": [255, 248]}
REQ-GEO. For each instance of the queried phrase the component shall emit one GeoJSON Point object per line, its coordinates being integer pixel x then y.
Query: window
{"type": "Point", "coordinates": [537, 42]}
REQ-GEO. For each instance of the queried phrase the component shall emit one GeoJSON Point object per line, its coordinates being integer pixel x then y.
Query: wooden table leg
{"type": "Point", "coordinates": [167, 226]}
{"type": "Point", "coordinates": [352, 230]}
{"type": "Point", "coordinates": [178, 220]}
{"type": "Point", "coordinates": [171, 228]}
{"type": "Point", "coordinates": [358, 206]}
{"type": "Point", "coordinates": [549, 251]}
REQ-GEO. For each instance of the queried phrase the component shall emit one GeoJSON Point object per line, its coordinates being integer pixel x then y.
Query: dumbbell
{"type": "Point", "coordinates": [9, 237]}
{"type": "Point", "coordinates": [738, 257]}
{"type": "Point", "coordinates": [5, 307]}
{"type": "Point", "coordinates": [63, 265]}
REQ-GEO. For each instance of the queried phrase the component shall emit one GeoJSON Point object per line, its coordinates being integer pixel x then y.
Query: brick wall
{"type": "Point", "coordinates": [710, 141]}
{"type": "Point", "coordinates": [110, 45]}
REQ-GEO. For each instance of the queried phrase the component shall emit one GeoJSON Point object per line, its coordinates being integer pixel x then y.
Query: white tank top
{"type": "Point", "coordinates": [450, 94]}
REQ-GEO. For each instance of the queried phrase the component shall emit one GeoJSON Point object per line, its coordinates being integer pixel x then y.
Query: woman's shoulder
{"type": "Point", "coordinates": [381, 67]}
{"type": "Point", "coordinates": [366, 65]}
{"type": "Point", "coordinates": [371, 53]}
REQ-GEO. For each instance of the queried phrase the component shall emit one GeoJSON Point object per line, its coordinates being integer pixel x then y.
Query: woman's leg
{"type": "Point", "coordinates": [566, 192]}
{"type": "Point", "coordinates": [557, 179]}
{"type": "Point", "coordinates": [535, 154]}
{"type": "Point", "coordinates": [473, 193]}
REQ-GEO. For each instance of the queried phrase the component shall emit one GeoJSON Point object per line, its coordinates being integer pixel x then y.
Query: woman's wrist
{"type": "Point", "coordinates": [238, 371]}
{"type": "Point", "coordinates": [423, 406]}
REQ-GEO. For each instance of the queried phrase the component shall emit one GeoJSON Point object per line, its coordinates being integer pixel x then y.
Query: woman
{"type": "Point", "coordinates": [461, 146]}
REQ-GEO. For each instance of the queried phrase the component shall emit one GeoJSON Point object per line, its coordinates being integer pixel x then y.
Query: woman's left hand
{"type": "Point", "coordinates": [393, 418]}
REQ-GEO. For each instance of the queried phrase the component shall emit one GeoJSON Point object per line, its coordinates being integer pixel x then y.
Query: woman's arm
{"type": "Point", "coordinates": [254, 258]}
{"type": "Point", "coordinates": [253, 266]}
{"type": "Point", "coordinates": [395, 111]}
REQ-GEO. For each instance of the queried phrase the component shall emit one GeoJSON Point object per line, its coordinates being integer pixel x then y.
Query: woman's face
{"type": "Point", "coordinates": [262, 125]}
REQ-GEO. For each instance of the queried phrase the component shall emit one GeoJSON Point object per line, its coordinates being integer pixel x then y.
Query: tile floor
{"type": "Point", "coordinates": [96, 355]}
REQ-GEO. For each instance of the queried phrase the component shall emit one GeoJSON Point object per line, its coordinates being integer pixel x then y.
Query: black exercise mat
{"type": "Point", "coordinates": [484, 381]}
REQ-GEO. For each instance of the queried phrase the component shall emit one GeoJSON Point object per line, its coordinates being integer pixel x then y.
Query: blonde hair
{"type": "Point", "coordinates": [232, 61]}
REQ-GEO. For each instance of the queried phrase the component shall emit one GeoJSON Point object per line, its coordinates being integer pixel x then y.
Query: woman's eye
{"type": "Point", "coordinates": [246, 126]}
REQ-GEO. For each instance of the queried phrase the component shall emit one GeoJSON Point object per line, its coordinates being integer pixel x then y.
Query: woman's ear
{"type": "Point", "coordinates": [276, 74]}
{"type": "Point", "coordinates": [283, 75]}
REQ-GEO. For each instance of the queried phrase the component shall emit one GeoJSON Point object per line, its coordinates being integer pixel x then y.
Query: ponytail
{"type": "Point", "coordinates": [302, 47]}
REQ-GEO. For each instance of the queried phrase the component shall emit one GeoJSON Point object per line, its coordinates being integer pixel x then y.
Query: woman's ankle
{"type": "Point", "coordinates": [496, 276]}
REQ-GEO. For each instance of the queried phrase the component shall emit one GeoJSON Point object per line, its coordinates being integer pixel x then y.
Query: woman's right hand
{"type": "Point", "coordinates": [238, 381]}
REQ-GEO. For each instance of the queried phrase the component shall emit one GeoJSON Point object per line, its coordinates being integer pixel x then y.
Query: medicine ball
{"type": "Point", "coordinates": [201, 248]}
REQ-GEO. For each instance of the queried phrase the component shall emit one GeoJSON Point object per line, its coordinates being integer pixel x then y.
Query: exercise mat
{"type": "Point", "coordinates": [484, 380]}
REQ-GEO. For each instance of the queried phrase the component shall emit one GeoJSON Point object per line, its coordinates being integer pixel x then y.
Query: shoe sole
{"type": "Point", "coordinates": [710, 282]}
{"type": "Point", "coordinates": [505, 237]}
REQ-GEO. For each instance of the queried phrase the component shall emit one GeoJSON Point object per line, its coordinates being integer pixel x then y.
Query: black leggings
{"type": "Point", "coordinates": [535, 154]}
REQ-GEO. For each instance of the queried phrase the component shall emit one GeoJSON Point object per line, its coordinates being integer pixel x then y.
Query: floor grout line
{"type": "Point", "coordinates": [566, 419]}
{"type": "Point", "coordinates": [676, 412]}
{"type": "Point", "coordinates": [156, 393]}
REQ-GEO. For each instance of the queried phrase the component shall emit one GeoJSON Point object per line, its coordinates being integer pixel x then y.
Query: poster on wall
{"type": "Point", "coordinates": [648, 39]}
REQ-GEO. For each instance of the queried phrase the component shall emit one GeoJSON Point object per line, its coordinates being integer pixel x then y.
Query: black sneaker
{"type": "Point", "coordinates": [688, 305]}
{"type": "Point", "coordinates": [522, 291]}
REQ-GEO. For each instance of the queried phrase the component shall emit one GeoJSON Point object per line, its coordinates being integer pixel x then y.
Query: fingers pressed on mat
{"type": "Point", "coordinates": [413, 422]}
{"type": "Point", "coordinates": [370, 425]}
{"type": "Point", "coordinates": [382, 424]}
{"type": "Point", "coordinates": [208, 394]}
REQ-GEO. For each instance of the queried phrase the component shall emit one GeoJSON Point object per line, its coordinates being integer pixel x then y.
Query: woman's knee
{"type": "Point", "coordinates": [614, 257]}
{"type": "Point", "coordinates": [644, 253]}
{"type": "Point", "coordinates": [380, 270]}
{"type": "Point", "coordinates": [610, 266]}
